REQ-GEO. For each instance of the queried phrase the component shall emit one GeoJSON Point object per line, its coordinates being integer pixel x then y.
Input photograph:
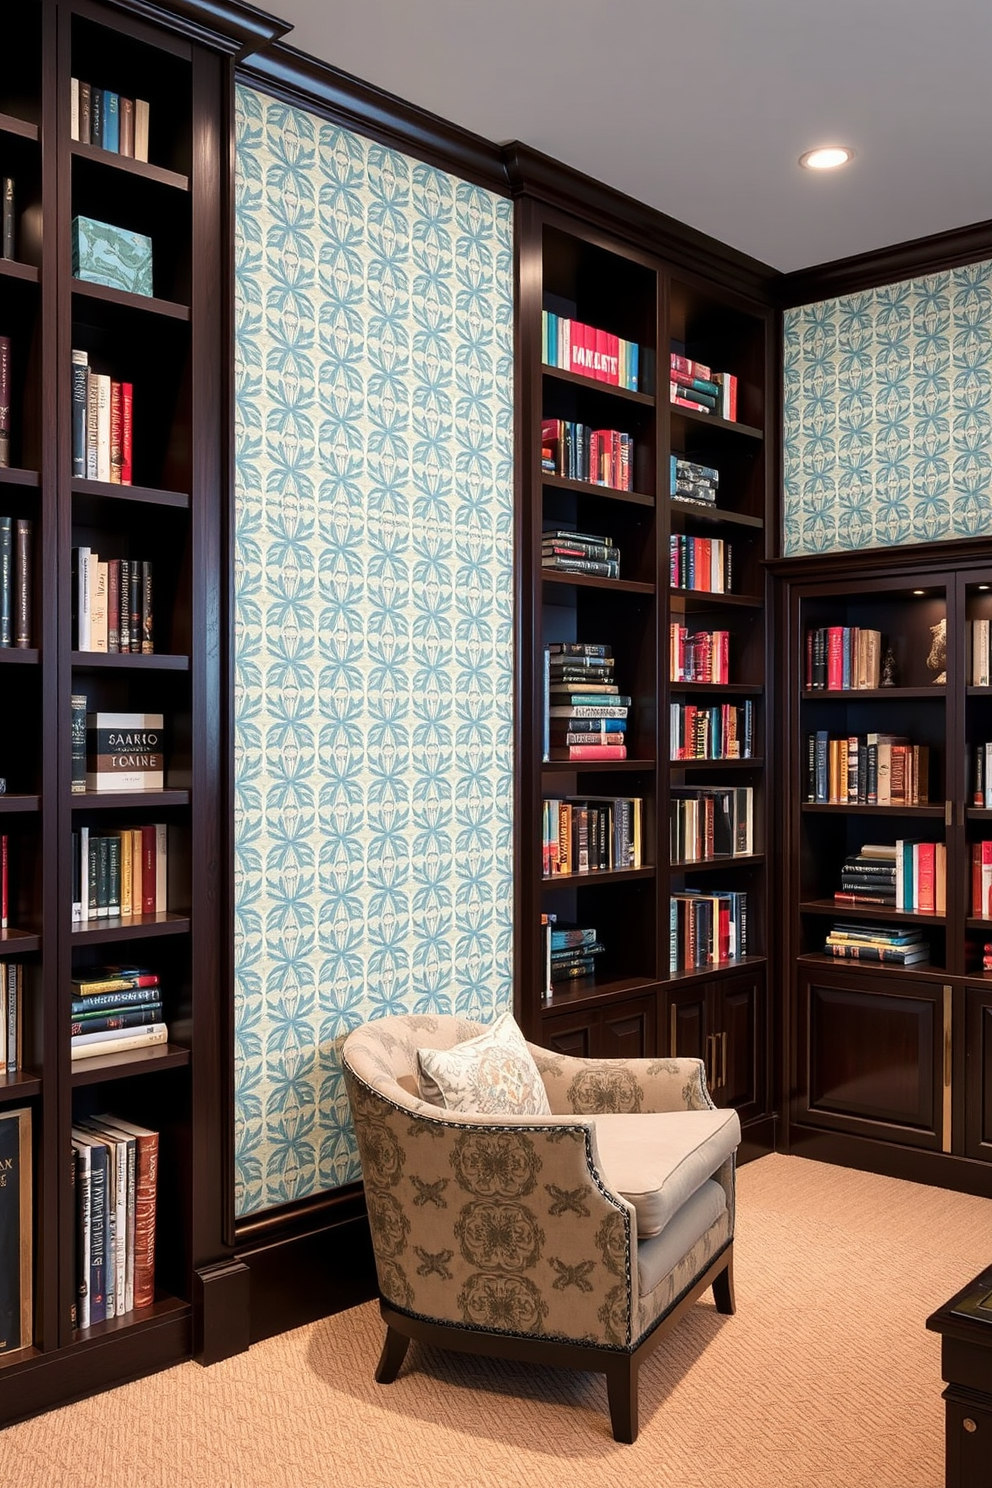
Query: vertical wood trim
{"type": "Point", "coordinates": [946, 1118]}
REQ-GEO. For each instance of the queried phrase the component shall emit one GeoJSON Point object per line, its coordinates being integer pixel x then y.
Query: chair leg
{"type": "Point", "coordinates": [392, 1356]}
{"type": "Point", "coordinates": [621, 1390]}
{"type": "Point", "coordinates": [723, 1290]}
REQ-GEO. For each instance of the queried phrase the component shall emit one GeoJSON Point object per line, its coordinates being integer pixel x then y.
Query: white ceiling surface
{"type": "Point", "coordinates": [701, 108]}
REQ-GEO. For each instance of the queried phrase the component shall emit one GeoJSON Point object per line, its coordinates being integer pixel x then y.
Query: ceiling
{"type": "Point", "coordinates": [701, 108]}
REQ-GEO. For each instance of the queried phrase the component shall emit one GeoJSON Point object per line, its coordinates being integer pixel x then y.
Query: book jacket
{"type": "Point", "coordinates": [15, 1230]}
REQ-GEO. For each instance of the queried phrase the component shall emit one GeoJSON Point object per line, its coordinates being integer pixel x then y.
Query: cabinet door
{"type": "Point", "coordinates": [738, 1023]}
{"type": "Point", "coordinates": [623, 1030]}
{"type": "Point", "coordinates": [978, 1072]}
{"type": "Point", "coordinates": [873, 1057]}
{"type": "Point", "coordinates": [687, 1020]}
{"type": "Point", "coordinates": [573, 1034]}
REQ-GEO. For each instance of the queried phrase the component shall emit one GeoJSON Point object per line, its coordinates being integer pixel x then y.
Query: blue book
{"type": "Point", "coordinates": [111, 121]}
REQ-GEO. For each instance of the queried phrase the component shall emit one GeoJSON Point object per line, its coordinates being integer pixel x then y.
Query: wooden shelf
{"type": "Point", "coordinates": [159, 661]}
{"type": "Point", "coordinates": [869, 912]}
{"type": "Point", "coordinates": [713, 421]}
{"type": "Point", "coordinates": [10, 475]}
{"type": "Point", "coordinates": [706, 865]}
{"type": "Point", "coordinates": [587, 991]}
{"type": "Point", "coordinates": [129, 166]}
{"type": "Point", "coordinates": [593, 384]}
{"type": "Point", "coordinates": [154, 1060]}
{"type": "Point", "coordinates": [722, 764]}
{"type": "Point", "coordinates": [12, 268]}
{"type": "Point", "coordinates": [11, 124]}
{"type": "Point", "coordinates": [704, 599]}
{"type": "Point", "coordinates": [122, 298]}
{"type": "Point", "coordinates": [589, 488]}
{"type": "Point", "coordinates": [867, 694]}
{"type": "Point", "coordinates": [123, 800]}
{"type": "Point", "coordinates": [19, 656]}
{"type": "Point", "coordinates": [18, 1085]}
{"type": "Point", "coordinates": [726, 689]}
{"type": "Point", "coordinates": [12, 804]}
{"type": "Point", "coordinates": [719, 515]}
{"type": "Point", "coordinates": [110, 491]}
{"type": "Point", "coordinates": [839, 808]}
{"type": "Point", "coordinates": [139, 1318]}
{"type": "Point", "coordinates": [873, 968]}
{"type": "Point", "coordinates": [131, 927]}
{"type": "Point", "coordinates": [575, 766]}
{"type": "Point", "coordinates": [19, 942]}
{"type": "Point", "coordinates": [593, 581]}
{"type": "Point", "coordinates": [597, 876]}
{"type": "Point", "coordinates": [716, 969]}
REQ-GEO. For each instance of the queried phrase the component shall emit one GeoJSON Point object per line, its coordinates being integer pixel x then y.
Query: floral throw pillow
{"type": "Point", "coordinates": [493, 1074]}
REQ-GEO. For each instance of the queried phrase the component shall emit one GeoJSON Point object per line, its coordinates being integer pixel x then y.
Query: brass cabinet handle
{"type": "Point", "coordinates": [948, 1101]}
{"type": "Point", "coordinates": [723, 1063]}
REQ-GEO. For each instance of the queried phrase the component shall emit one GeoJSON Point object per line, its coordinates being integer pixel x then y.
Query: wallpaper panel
{"type": "Point", "coordinates": [888, 428]}
{"type": "Point", "coordinates": [372, 620]}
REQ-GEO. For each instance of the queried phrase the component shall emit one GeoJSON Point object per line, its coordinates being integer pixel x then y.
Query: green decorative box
{"type": "Point", "coordinates": [115, 256]}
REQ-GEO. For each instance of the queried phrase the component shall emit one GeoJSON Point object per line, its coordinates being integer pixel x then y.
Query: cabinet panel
{"type": "Point", "coordinates": [723, 1023]}
{"type": "Point", "coordinates": [873, 1058]}
{"type": "Point", "coordinates": [624, 1030]}
{"type": "Point", "coordinates": [978, 1072]}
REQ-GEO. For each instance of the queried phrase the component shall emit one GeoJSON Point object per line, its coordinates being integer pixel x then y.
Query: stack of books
{"type": "Point", "coordinates": [869, 876]}
{"type": "Point", "coordinates": [116, 1009]}
{"type": "Point", "coordinates": [693, 482]}
{"type": "Point", "coordinates": [580, 552]}
{"type": "Point", "coordinates": [586, 712]}
{"type": "Point", "coordinates": [99, 116]}
{"type": "Point", "coordinates": [907, 875]}
{"type": "Point", "coordinates": [891, 945]}
{"type": "Point", "coordinates": [574, 347]}
{"type": "Point", "coordinates": [6, 382]}
{"type": "Point", "coordinates": [698, 656]}
{"type": "Point", "coordinates": [695, 386]}
{"type": "Point", "coordinates": [603, 457]}
{"type": "Point", "coordinates": [115, 1184]}
{"type": "Point", "coordinates": [574, 949]}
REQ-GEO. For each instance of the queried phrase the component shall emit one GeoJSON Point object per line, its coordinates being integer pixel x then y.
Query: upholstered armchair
{"type": "Point", "coordinates": [574, 1239]}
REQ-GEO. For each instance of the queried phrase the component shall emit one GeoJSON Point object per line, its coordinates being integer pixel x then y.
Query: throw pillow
{"type": "Point", "coordinates": [493, 1074]}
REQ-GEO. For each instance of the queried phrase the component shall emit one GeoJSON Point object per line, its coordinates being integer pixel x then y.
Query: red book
{"type": "Point", "coordinates": [579, 348]}
{"type": "Point", "coordinates": [608, 358]}
{"type": "Point", "coordinates": [925, 883]}
{"type": "Point", "coordinates": [690, 368]}
{"type": "Point", "coordinates": [835, 658]}
{"type": "Point", "coordinates": [127, 431]}
{"type": "Point", "coordinates": [592, 752]}
{"type": "Point", "coordinates": [148, 859]}
{"type": "Point", "coordinates": [723, 665]}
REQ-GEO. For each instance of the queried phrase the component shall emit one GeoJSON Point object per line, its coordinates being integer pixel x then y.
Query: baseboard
{"type": "Point", "coordinates": [308, 1273]}
{"type": "Point", "coordinates": [938, 1169]}
{"type": "Point", "coordinates": [758, 1138]}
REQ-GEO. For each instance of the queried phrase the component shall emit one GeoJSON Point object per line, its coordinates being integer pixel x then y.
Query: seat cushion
{"type": "Point", "coordinates": [657, 1160]}
{"type": "Point", "coordinates": [492, 1075]}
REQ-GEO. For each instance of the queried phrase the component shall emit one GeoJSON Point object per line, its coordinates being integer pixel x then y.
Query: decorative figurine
{"type": "Point", "coordinates": [937, 660]}
{"type": "Point", "coordinates": [889, 669]}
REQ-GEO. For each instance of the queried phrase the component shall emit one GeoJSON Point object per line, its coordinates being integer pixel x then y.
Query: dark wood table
{"type": "Point", "coordinates": [965, 1327]}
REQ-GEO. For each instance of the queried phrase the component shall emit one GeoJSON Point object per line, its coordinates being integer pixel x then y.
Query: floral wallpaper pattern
{"type": "Point", "coordinates": [372, 620]}
{"type": "Point", "coordinates": [888, 423]}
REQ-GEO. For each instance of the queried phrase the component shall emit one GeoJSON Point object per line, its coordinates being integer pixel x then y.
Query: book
{"type": "Point", "coordinates": [124, 751]}
{"type": "Point", "coordinates": [127, 126]}
{"type": "Point", "coordinates": [6, 581]}
{"type": "Point", "coordinates": [9, 220]}
{"type": "Point", "coordinates": [117, 1041]}
{"type": "Point", "coordinates": [16, 1243]}
{"type": "Point", "coordinates": [127, 433]}
{"type": "Point", "coordinates": [103, 979]}
{"type": "Point", "coordinates": [96, 1157]}
{"type": "Point", "coordinates": [111, 121]}
{"type": "Point", "coordinates": [146, 1196]}
{"type": "Point", "coordinates": [78, 735]}
{"type": "Point", "coordinates": [85, 113]}
{"type": "Point", "coordinates": [6, 385]}
{"type": "Point", "coordinates": [23, 569]}
{"type": "Point", "coordinates": [80, 378]}
{"type": "Point", "coordinates": [141, 129]}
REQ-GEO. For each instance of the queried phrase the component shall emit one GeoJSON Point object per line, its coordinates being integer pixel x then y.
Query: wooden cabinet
{"type": "Point", "coordinates": [689, 583]}
{"type": "Point", "coordinates": [978, 1071]}
{"type": "Point", "coordinates": [724, 1023]}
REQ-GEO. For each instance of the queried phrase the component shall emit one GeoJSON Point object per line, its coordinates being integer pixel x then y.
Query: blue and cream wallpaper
{"type": "Point", "coordinates": [373, 619]}
{"type": "Point", "coordinates": [888, 415]}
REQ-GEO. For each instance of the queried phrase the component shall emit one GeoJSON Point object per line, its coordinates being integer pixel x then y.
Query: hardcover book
{"type": "Point", "coordinates": [124, 751]}
{"type": "Point", "coordinates": [113, 256]}
{"type": "Point", "coordinates": [15, 1230]}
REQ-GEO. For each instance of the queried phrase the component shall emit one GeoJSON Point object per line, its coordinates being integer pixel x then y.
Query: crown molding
{"type": "Point", "coordinates": [911, 260]}
{"type": "Point", "coordinates": [301, 80]}
{"type": "Point", "coordinates": [531, 173]}
{"type": "Point", "coordinates": [228, 26]}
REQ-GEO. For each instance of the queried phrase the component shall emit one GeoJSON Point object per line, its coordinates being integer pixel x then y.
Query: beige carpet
{"type": "Point", "coordinates": [825, 1378]}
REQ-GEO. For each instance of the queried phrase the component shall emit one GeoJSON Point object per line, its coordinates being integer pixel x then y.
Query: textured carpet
{"type": "Point", "coordinates": [825, 1378]}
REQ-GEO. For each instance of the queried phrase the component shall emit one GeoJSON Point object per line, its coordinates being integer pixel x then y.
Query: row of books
{"type": "Point", "coordinates": [102, 424]}
{"type": "Point", "coordinates": [590, 834]}
{"type": "Point", "coordinates": [890, 945]}
{"type": "Point", "coordinates": [572, 346]}
{"type": "Point", "coordinates": [15, 580]}
{"type": "Point", "coordinates": [907, 875]}
{"type": "Point", "coordinates": [585, 713]}
{"type": "Point", "coordinates": [690, 481]}
{"type": "Point", "coordinates": [981, 880]}
{"type": "Point", "coordinates": [981, 789]}
{"type": "Point", "coordinates": [700, 563]}
{"type": "Point", "coordinates": [6, 395]}
{"type": "Point", "coordinates": [981, 675]}
{"type": "Point", "coordinates": [114, 1177]}
{"type": "Point", "coordinates": [706, 928]}
{"type": "Point", "coordinates": [112, 604]}
{"type": "Point", "coordinates": [696, 386]}
{"type": "Point", "coordinates": [604, 457]}
{"type": "Point", "coordinates": [99, 116]}
{"type": "Point", "coordinates": [121, 872]}
{"type": "Point", "coordinates": [711, 822]}
{"type": "Point", "coordinates": [721, 731]}
{"type": "Point", "coordinates": [116, 1009]}
{"type": "Point", "coordinates": [116, 751]}
{"type": "Point", "coordinates": [7, 219]}
{"type": "Point", "coordinates": [866, 770]}
{"type": "Point", "coordinates": [11, 1015]}
{"type": "Point", "coordinates": [842, 658]}
{"type": "Point", "coordinates": [580, 552]}
{"type": "Point", "coordinates": [698, 655]}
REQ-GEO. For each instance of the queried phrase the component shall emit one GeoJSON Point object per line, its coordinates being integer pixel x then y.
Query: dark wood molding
{"type": "Point", "coordinates": [334, 1206]}
{"type": "Point", "coordinates": [222, 1311]}
{"type": "Point", "coordinates": [931, 255]}
{"type": "Point", "coordinates": [531, 173]}
{"type": "Point", "coordinates": [299, 1278]}
{"type": "Point", "coordinates": [901, 558]}
{"type": "Point", "coordinates": [303, 81]}
{"type": "Point", "coordinates": [228, 26]}
{"type": "Point", "coordinates": [939, 1169]}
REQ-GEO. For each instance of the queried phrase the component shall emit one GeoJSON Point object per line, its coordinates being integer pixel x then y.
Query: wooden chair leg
{"type": "Point", "coordinates": [392, 1356]}
{"type": "Point", "coordinates": [621, 1390]}
{"type": "Point", "coordinates": [723, 1290]}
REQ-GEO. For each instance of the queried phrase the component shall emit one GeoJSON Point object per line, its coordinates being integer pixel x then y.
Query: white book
{"type": "Point", "coordinates": [161, 867]}
{"type": "Point", "coordinates": [120, 1131]}
{"type": "Point", "coordinates": [74, 108]}
{"type": "Point", "coordinates": [140, 129]}
{"type": "Point", "coordinates": [98, 605]}
{"type": "Point", "coordinates": [118, 1145]}
{"type": "Point", "coordinates": [118, 1041]}
{"type": "Point", "coordinates": [84, 874]}
{"type": "Point", "coordinates": [103, 427]}
{"type": "Point", "coordinates": [83, 558]}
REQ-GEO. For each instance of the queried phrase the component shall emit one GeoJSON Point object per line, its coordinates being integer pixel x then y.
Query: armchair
{"type": "Point", "coordinates": [576, 1239]}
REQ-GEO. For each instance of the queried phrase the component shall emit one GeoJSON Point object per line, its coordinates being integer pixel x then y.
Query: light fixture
{"type": "Point", "coordinates": [919, 591]}
{"type": "Point", "coordinates": [826, 157]}
{"type": "Point", "coordinates": [983, 586]}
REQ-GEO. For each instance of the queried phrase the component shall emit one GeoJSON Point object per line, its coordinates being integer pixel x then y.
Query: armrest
{"type": "Point", "coordinates": [590, 1087]}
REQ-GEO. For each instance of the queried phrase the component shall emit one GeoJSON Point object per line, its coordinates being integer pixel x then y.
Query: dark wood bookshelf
{"type": "Point", "coordinates": [595, 581]}
{"type": "Point", "coordinates": [129, 1064]}
{"type": "Point", "coordinates": [710, 865]}
{"type": "Point", "coordinates": [140, 169]}
{"type": "Point", "coordinates": [11, 124]}
{"type": "Point", "coordinates": [19, 656]}
{"type": "Point", "coordinates": [718, 515]}
{"type": "Point", "coordinates": [108, 491]}
{"type": "Point", "coordinates": [722, 689]}
{"type": "Point", "coordinates": [131, 927]}
{"type": "Point", "coordinates": [158, 661]}
{"type": "Point", "coordinates": [583, 766]}
{"type": "Point", "coordinates": [590, 488]}
{"type": "Point", "coordinates": [18, 942]}
{"type": "Point", "coordinates": [126, 300]}
{"type": "Point", "coordinates": [11, 804]}
{"type": "Point", "coordinates": [9, 476]}
{"type": "Point", "coordinates": [714, 421]}
{"type": "Point", "coordinates": [599, 876]}
{"type": "Point", "coordinates": [706, 599]}
{"type": "Point", "coordinates": [868, 809]}
{"type": "Point", "coordinates": [11, 268]}
{"type": "Point", "coordinates": [723, 764]}
{"type": "Point", "coordinates": [18, 1085]}
{"type": "Point", "coordinates": [608, 389]}
{"type": "Point", "coordinates": [127, 800]}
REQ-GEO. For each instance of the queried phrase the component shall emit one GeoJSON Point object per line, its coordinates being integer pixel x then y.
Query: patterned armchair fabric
{"type": "Point", "coordinates": [507, 1226]}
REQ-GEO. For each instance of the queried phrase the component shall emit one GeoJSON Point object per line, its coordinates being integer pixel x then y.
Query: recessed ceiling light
{"type": "Point", "coordinates": [826, 157]}
{"type": "Point", "coordinates": [919, 591]}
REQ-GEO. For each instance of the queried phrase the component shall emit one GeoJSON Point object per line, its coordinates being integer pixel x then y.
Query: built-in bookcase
{"type": "Point", "coordinates": [169, 347]}
{"type": "Point", "coordinates": [635, 999]}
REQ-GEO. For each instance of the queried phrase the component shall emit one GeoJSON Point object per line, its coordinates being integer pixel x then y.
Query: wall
{"type": "Point", "coordinates": [887, 421]}
{"type": "Point", "coordinates": [373, 619]}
